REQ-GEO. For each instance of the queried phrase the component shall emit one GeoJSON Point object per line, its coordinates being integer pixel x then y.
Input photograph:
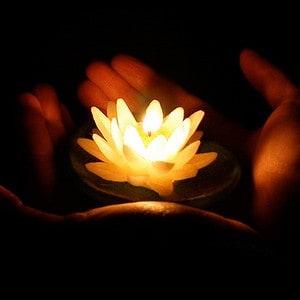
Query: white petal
{"type": "Point", "coordinates": [116, 135]}
{"type": "Point", "coordinates": [188, 171]}
{"type": "Point", "coordinates": [186, 154]}
{"type": "Point", "coordinates": [133, 140]}
{"type": "Point", "coordinates": [195, 118]}
{"type": "Point", "coordinates": [178, 138]}
{"type": "Point", "coordinates": [155, 150]}
{"type": "Point", "coordinates": [173, 119]}
{"type": "Point", "coordinates": [109, 153]}
{"type": "Point", "coordinates": [91, 147]}
{"type": "Point", "coordinates": [125, 117]}
{"type": "Point", "coordinates": [201, 160]}
{"type": "Point", "coordinates": [135, 160]}
{"type": "Point", "coordinates": [153, 118]}
{"type": "Point", "coordinates": [107, 171]}
{"type": "Point", "coordinates": [102, 122]}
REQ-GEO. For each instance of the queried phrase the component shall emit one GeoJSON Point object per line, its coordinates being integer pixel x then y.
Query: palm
{"type": "Point", "coordinates": [272, 151]}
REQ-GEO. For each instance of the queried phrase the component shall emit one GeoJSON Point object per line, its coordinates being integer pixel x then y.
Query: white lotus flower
{"type": "Point", "coordinates": [153, 153]}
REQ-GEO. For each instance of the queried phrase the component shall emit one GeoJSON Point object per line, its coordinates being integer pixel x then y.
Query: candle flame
{"type": "Point", "coordinates": [153, 119]}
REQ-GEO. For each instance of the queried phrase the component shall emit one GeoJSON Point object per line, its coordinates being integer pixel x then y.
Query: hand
{"type": "Point", "coordinates": [45, 126]}
{"type": "Point", "coordinates": [49, 195]}
{"type": "Point", "coordinates": [272, 151]}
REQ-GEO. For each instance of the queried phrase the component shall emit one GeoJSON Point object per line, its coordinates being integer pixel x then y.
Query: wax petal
{"type": "Point", "coordinates": [102, 122]}
{"type": "Point", "coordinates": [188, 171]}
{"type": "Point", "coordinates": [107, 171]}
{"type": "Point", "coordinates": [173, 119]}
{"type": "Point", "coordinates": [135, 160]}
{"type": "Point", "coordinates": [91, 147]}
{"type": "Point", "coordinates": [197, 135]}
{"type": "Point", "coordinates": [125, 117]}
{"type": "Point", "coordinates": [186, 155]}
{"type": "Point", "coordinates": [107, 150]}
{"type": "Point", "coordinates": [178, 138]}
{"type": "Point", "coordinates": [161, 167]}
{"type": "Point", "coordinates": [201, 160]}
{"type": "Point", "coordinates": [116, 135]}
{"type": "Point", "coordinates": [138, 180]}
{"type": "Point", "coordinates": [133, 140]}
{"type": "Point", "coordinates": [195, 119]}
{"type": "Point", "coordinates": [153, 118]}
{"type": "Point", "coordinates": [111, 110]}
{"type": "Point", "coordinates": [163, 187]}
{"type": "Point", "coordinates": [155, 150]}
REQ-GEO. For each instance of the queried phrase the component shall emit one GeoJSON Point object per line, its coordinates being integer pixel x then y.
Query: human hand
{"type": "Point", "coordinates": [45, 126]}
{"type": "Point", "coordinates": [272, 151]}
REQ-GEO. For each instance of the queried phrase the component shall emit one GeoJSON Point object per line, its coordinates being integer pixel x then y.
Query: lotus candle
{"type": "Point", "coordinates": [152, 153]}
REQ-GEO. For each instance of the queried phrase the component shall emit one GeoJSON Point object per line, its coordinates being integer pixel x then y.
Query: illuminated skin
{"type": "Point", "coordinates": [273, 151]}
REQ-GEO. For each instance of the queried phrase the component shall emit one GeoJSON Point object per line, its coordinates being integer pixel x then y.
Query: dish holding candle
{"type": "Point", "coordinates": [159, 158]}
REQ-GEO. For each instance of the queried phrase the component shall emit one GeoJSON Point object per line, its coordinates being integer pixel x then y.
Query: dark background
{"type": "Point", "coordinates": [196, 47]}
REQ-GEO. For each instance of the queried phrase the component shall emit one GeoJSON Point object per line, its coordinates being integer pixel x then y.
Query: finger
{"type": "Point", "coordinates": [51, 110]}
{"type": "Point", "coordinates": [34, 125]}
{"type": "Point", "coordinates": [114, 86]}
{"type": "Point", "coordinates": [12, 201]}
{"type": "Point", "coordinates": [40, 172]}
{"type": "Point", "coordinates": [155, 86]}
{"type": "Point", "coordinates": [66, 118]}
{"type": "Point", "coordinates": [270, 81]}
{"type": "Point", "coordinates": [91, 95]}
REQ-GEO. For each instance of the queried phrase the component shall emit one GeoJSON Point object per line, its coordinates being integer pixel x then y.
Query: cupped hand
{"type": "Point", "coordinates": [45, 125]}
{"type": "Point", "coordinates": [272, 151]}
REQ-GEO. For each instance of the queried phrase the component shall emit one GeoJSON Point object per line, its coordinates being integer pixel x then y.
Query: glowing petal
{"type": "Point", "coordinates": [153, 118]}
{"type": "Point", "coordinates": [155, 150]}
{"type": "Point", "coordinates": [163, 187]}
{"type": "Point", "coordinates": [135, 160]}
{"type": "Point", "coordinates": [137, 180]}
{"type": "Point", "coordinates": [107, 150]}
{"type": "Point", "coordinates": [178, 138]}
{"type": "Point", "coordinates": [195, 136]}
{"type": "Point", "coordinates": [125, 117]}
{"type": "Point", "coordinates": [174, 119]}
{"type": "Point", "coordinates": [133, 140]}
{"type": "Point", "coordinates": [102, 123]}
{"type": "Point", "coordinates": [91, 147]}
{"type": "Point", "coordinates": [116, 135]}
{"type": "Point", "coordinates": [201, 160]}
{"type": "Point", "coordinates": [188, 171]}
{"type": "Point", "coordinates": [186, 155]}
{"type": "Point", "coordinates": [111, 110]}
{"type": "Point", "coordinates": [195, 118]}
{"type": "Point", "coordinates": [161, 167]}
{"type": "Point", "coordinates": [107, 171]}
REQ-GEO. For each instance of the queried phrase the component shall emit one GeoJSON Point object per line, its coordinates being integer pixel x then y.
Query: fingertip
{"type": "Point", "coordinates": [28, 100]}
{"type": "Point", "coordinates": [45, 91]}
{"type": "Point", "coordinates": [247, 54]}
{"type": "Point", "coordinates": [90, 95]}
{"type": "Point", "coordinates": [122, 59]}
{"type": "Point", "coordinates": [92, 70]}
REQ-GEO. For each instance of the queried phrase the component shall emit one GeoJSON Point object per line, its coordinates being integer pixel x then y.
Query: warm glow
{"type": "Point", "coordinates": [153, 119]}
{"type": "Point", "coordinates": [153, 153]}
